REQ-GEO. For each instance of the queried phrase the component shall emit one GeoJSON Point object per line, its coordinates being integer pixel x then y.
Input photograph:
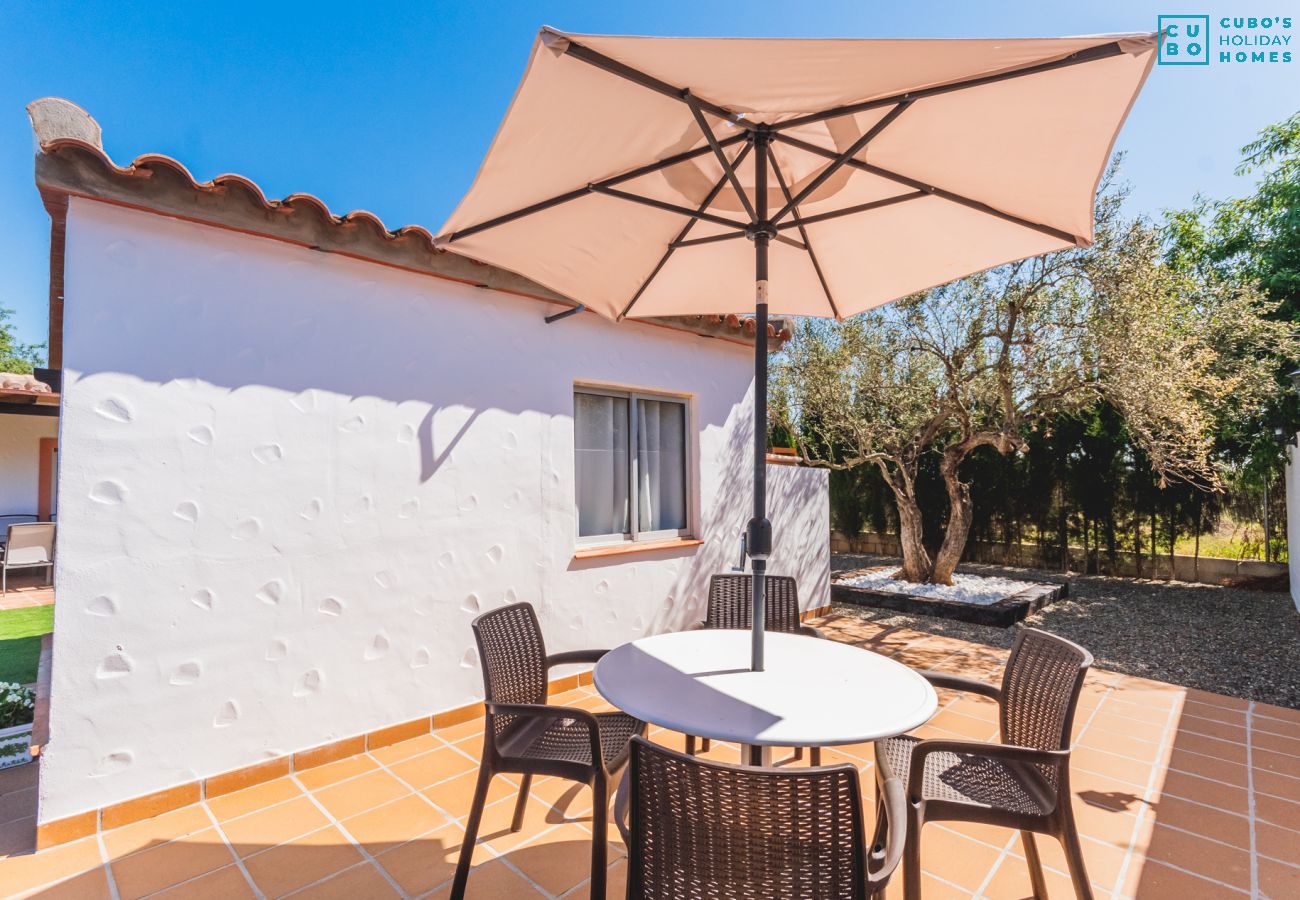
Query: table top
{"type": "Point", "coordinates": [813, 692]}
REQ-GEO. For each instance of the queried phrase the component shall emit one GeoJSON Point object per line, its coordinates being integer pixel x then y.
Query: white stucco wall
{"type": "Point", "coordinates": [289, 480]}
{"type": "Point", "coordinates": [20, 445]}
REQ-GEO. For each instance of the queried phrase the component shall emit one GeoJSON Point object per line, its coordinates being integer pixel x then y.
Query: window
{"type": "Point", "coordinates": [631, 464]}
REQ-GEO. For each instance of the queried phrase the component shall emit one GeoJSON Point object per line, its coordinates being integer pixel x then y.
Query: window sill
{"type": "Point", "coordinates": [635, 547]}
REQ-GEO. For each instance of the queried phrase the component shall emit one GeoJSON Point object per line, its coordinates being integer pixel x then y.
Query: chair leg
{"type": "Point", "coordinates": [798, 753]}
{"type": "Point", "coordinates": [518, 821]}
{"type": "Point", "coordinates": [690, 745]}
{"type": "Point", "coordinates": [705, 745]}
{"type": "Point", "coordinates": [816, 755]}
{"type": "Point", "coordinates": [599, 836]}
{"type": "Point", "coordinates": [1074, 856]}
{"type": "Point", "coordinates": [1035, 863]}
{"type": "Point", "coordinates": [912, 855]}
{"type": "Point", "coordinates": [471, 833]}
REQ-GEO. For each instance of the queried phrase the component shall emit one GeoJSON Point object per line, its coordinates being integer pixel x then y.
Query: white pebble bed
{"type": "Point", "coordinates": [977, 590]}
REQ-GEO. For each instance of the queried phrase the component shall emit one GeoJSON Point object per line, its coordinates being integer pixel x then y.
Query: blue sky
{"type": "Point", "coordinates": [391, 110]}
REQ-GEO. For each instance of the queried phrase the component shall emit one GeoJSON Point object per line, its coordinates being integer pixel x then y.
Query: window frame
{"type": "Point", "coordinates": [633, 396]}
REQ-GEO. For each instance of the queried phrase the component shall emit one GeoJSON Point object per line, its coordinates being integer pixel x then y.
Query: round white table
{"type": "Point", "coordinates": [812, 692]}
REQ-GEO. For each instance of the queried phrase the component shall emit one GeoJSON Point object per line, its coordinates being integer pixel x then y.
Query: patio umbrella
{"type": "Point", "coordinates": [673, 176]}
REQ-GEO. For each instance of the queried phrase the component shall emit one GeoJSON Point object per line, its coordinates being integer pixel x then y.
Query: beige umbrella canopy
{"type": "Point", "coordinates": [666, 176]}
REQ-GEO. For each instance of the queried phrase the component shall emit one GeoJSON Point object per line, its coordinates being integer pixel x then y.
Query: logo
{"type": "Point", "coordinates": [1184, 40]}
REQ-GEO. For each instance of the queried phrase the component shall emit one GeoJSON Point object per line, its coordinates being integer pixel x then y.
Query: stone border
{"type": "Point", "coordinates": [1003, 614]}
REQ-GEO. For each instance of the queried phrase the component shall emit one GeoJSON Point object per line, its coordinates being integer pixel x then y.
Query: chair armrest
{"type": "Point", "coordinates": [810, 631]}
{"type": "Point", "coordinates": [962, 683]}
{"type": "Point", "coordinates": [894, 809]}
{"type": "Point", "coordinates": [1005, 752]}
{"type": "Point", "coordinates": [572, 657]}
{"type": "Point", "coordinates": [540, 711]}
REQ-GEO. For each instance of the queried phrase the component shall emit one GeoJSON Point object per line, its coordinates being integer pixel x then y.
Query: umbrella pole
{"type": "Point", "coordinates": [758, 538]}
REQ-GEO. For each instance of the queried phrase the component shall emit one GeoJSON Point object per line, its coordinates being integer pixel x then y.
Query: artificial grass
{"type": "Point", "coordinates": [20, 641]}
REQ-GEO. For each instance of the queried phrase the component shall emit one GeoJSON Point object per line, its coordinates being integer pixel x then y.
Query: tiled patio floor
{"type": "Point", "coordinates": [1178, 793]}
{"type": "Point", "coordinates": [27, 589]}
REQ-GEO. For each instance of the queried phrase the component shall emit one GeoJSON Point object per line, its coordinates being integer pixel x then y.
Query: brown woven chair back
{"type": "Point", "coordinates": [701, 829]}
{"type": "Point", "coordinates": [730, 604]}
{"type": "Point", "coordinates": [1040, 691]}
{"type": "Point", "coordinates": [513, 655]}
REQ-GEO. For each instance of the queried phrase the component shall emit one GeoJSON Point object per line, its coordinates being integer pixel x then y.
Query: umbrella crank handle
{"type": "Point", "coordinates": [740, 564]}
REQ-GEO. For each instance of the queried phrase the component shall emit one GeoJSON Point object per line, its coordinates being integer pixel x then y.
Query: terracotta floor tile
{"type": "Point", "coordinates": [1277, 784]}
{"type": "Point", "coordinates": [19, 804]}
{"type": "Point", "coordinates": [18, 778]}
{"type": "Point", "coordinates": [1278, 880]}
{"type": "Point", "coordinates": [1278, 744]}
{"type": "Point", "coordinates": [1204, 820]}
{"type": "Point", "coordinates": [1210, 728]}
{"type": "Point", "coordinates": [1102, 860]}
{"type": "Point", "coordinates": [455, 796]}
{"type": "Point", "coordinates": [977, 831]}
{"type": "Point", "coordinates": [430, 768]}
{"type": "Point", "coordinates": [454, 733]}
{"type": "Point", "coordinates": [1200, 856]}
{"type": "Point", "coordinates": [92, 885]}
{"type": "Point", "coordinates": [1120, 768]}
{"type": "Point", "coordinates": [421, 865]}
{"type": "Point", "coordinates": [1281, 763]}
{"type": "Point", "coordinates": [360, 881]}
{"type": "Point", "coordinates": [494, 881]}
{"type": "Point", "coordinates": [1112, 723]}
{"type": "Point", "coordinates": [1230, 751]}
{"type": "Point", "coordinates": [31, 870]}
{"type": "Point", "coordinates": [538, 816]}
{"type": "Point", "coordinates": [569, 798]}
{"type": "Point", "coordinates": [1277, 811]}
{"type": "Point", "coordinates": [387, 826]}
{"type": "Point", "coordinates": [557, 860]}
{"type": "Point", "coordinates": [360, 794]}
{"type": "Point", "coordinates": [223, 884]}
{"type": "Point", "coordinates": [274, 825]}
{"type": "Point", "coordinates": [1204, 790]}
{"type": "Point", "coordinates": [300, 862]}
{"type": "Point", "coordinates": [956, 859]}
{"type": "Point", "coordinates": [1267, 725]}
{"type": "Point", "coordinates": [969, 727]}
{"type": "Point", "coordinates": [1011, 882]}
{"type": "Point", "coordinates": [1150, 880]}
{"type": "Point", "coordinates": [238, 803]}
{"type": "Point", "coordinates": [1214, 713]}
{"type": "Point", "coordinates": [168, 864]}
{"type": "Point", "coordinates": [1109, 826]}
{"type": "Point", "coordinates": [332, 773]}
{"type": "Point", "coordinates": [150, 832]}
{"type": "Point", "coordinates": [1134, 709]}
{"type": "Point", "coordinates": [406, 749]}
{"type": "Point", "coordinates": [615, 884]}
{"type": "Point", "coordinates": [1281, 844]}
{"type": "Point", "coordinates": [1122, 745]}
{"type": "Point", "coordinates": [18, 836]}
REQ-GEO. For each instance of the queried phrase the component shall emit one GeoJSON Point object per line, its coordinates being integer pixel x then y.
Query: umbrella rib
{"type": "Point", "coordinates": [636, 76]}
{"type": "Point", "coordinates": [686, 229]}
{"type": "Point", "coordinates": [933, 190]}
{"type": "Point", "coordinates": [559, 199]}
{"type": "Point", "coordinates": [854, 149]}
{"type": "Point", "coordinates": [1091, 54]}
{"type": "Point", "coordinates": [729, 171]}
{"type": "Point", "coordinates": [668, 207]}
{"type": "Point", "coordinates": [803, 233]}
{"type": "Point", "coordinates": [799, 221]}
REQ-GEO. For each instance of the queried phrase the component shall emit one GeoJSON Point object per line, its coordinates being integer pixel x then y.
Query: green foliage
{"type": "Point", "coordinates": [17, 704]}
{"type": "Point", "coordinates": [16, 356]}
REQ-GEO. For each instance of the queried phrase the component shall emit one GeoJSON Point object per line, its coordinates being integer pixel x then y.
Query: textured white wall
{"type": "Point", "coordinates": [289, 480]}
{"type": "Point", "coordinates": [20, 445]}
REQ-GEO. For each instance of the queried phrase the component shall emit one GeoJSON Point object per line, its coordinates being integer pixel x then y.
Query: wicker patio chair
{"type": "Point", "coordinates": [1021, 783]}
{"type": "Point", "coordinates": [524, 736]}
{"type": "Point", "coordinates": [698, 829]}
{"type": "Point", "coordinates": [730, 606]}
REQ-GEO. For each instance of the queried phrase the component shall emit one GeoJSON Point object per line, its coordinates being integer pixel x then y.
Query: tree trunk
{"type": "Point", "coordinates": [959, 519]}
{"type": "Point", "coordinates": [911, 529]}
{"type": "Point", "coordinates": [1137, 540]}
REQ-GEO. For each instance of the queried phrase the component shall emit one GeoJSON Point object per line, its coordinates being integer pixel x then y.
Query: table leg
{"type": "Point", "coordinates": [755, 755]}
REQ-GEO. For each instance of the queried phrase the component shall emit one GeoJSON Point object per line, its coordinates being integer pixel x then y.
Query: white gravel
{"type": "Point", "coordinates": [977, 590]}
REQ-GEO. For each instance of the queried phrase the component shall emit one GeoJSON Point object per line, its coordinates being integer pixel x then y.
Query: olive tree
{"type": "Point", "coordinates": [975, 362]}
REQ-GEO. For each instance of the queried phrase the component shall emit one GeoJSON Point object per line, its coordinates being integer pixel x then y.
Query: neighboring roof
{"type": "Point", "coordinates": [27, 384]}
{"type": "Point", "coordinates": [72, 162]}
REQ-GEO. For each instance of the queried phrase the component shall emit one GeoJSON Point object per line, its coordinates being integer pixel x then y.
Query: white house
{"type": "Point", "coordinates": [299, 453]}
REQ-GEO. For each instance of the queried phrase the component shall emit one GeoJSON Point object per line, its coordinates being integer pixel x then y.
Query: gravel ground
{"type": "Point", "coordinates": [1226, 640]}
